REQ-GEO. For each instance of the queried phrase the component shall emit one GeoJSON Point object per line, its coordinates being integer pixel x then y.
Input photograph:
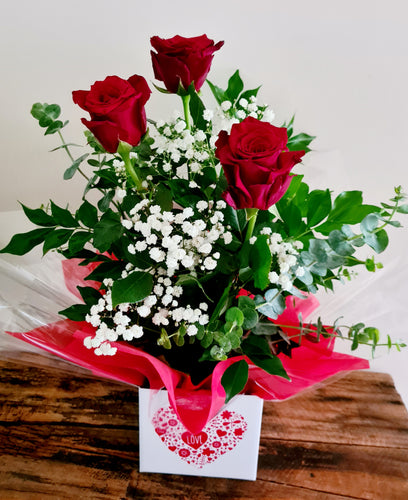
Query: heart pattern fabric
{"type": "Point", "coordinates": [218, 437]}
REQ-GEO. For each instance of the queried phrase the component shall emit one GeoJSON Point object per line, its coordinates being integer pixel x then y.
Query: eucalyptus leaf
{"type": "Point", "coordinates": [377, 241]}
{"type": "Point", "coordinates": [70, 171]}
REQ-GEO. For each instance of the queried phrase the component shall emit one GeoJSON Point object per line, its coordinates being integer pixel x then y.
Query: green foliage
{"type": "Point", "coordinates": [70, 171]}
{"type": "Point", "coordinates": [107, 230]}
{"type": "Point", "coordinates": [134, 288]}
{"type": "Point", "coordinates": [47, 115]}
{"type": "Point", "coordinates": [39, 216]}
{"type": "Point", "coordinates": [260, 260]}
{"type": "Point", "coordinates": [326, 229]}
{"type": "Point", "coordinates": [258, 351]}
{"type": "Point", "coordinates": [272, 304]}
{"type": "Point", "coordinates": [234, 379]}
{"type": "Point", "coordinates": [300, 142]}
{"type": "Point", "coordinates": [22, 243]}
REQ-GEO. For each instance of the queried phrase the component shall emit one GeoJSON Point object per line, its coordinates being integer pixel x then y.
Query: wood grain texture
{"type": "Point", "coordinates": [65, 434]}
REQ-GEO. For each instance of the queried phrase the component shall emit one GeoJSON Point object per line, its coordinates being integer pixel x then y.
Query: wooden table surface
{"type": "Point", "coordinates": [68, 435]}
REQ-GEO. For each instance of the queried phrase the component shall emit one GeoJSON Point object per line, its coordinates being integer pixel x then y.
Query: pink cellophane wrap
{"type": "Point", "coordinates": [195, 405]}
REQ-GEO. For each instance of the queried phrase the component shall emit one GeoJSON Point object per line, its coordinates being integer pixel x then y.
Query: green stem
{"type": "Point", "coordinates": [124, 152]}
{"type": "Point", "coordinates": [70, 155]}
{"type": "Point", "coordinates": [251, 214]}
{"type": "Point", "coordinates": [186, 108]}
{"type": "Point", "coordinates": [331, 335]}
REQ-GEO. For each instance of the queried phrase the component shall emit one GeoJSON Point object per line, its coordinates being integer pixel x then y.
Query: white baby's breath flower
{"type": "Point", "coordinates": [300, 271]}
{"type": "Point", "coordinates": [226, 105]}
{"type": "Point", "coordinates": [210, 263]}
{"type": "Point", "coordinates": [143, 311]}
{"type": "Point", "coordinates": [140, 246]}
{"type": "Point", "coordinates": [192, 330]}
{"type": "Point", "coordinates": [227, 237]}
{"type": "Point", "coordinates": [268, 115]}
{"type": "Point", "coordinates": [208, 115]}
{"type": "Point", "coordinates": [200, 136]}
{"type": "Point", "coordinates": [243, 102]}
{"type": "Point", "coordinates": [157, 254]}
{"type": "Point", "coordinates": [180, 126]}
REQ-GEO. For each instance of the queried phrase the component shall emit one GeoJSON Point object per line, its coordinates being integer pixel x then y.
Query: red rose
{"type": "Point", "coordinates": [117, 110]}
{"type": "Point", "coordinates": [256, 163]}
{"type": "Point", "coordinates": [183, 60]}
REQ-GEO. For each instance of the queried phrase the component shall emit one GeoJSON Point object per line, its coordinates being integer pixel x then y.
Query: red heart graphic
{"type": "Point", "coordinates": [194, 440]}
{"type": "Point", "coordinates": [219, 436]}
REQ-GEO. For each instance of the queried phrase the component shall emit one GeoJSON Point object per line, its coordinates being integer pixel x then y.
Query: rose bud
{"type": "Point", "coordinates": [182, 61]}
{"type": "Point", "coordinates": [256, 163]}
{"type": "Point", "coordinates": [117, 110]}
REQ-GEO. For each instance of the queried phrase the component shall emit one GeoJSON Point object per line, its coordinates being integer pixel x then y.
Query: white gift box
{"type": "Point", "coordinates": [226, 447]}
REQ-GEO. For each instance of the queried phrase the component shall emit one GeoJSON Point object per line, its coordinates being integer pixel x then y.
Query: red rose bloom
{"type": "Point", "coordinates": [183, 60]}
{"type": "Point", "coordinates": [117, 110]}
{"type": "Point", "coordinates": [256, 163]}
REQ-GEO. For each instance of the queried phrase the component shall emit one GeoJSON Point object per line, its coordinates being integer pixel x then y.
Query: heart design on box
{"type": "Point", "coordinates": [218, 437]}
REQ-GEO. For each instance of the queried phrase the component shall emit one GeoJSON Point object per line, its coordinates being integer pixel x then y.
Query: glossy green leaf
{"type": "Point", "coordinates": [107, 230]}
{"type": "Point", "coordinates": [218, 93]}
{"type": "Point", "coordinates": [87, 214]}
{"type": "Point", "coordinates": [77, 312]}
{"type": "Point", "coordinates": [235, 87]}
{"type": "Point", "coordinates": [300, 142]}
{"type": "Point", "coordinates": [62, 216]}
{"type": "Point", "coordinates": [22, 243]}
{"type": "Point", "coordinates": [135, 287]}
{"type": "Point", "coordinates": [196, 110]}
{"type": "Point", "coordinates": [78, 240]}
{"type": "Point", "coordinates": [260, 261]}
{"type": "Point", "coordinates": [258, 351]}
{"type": "Point", "coordinates": [318, 206]}
{"type": "Point", "coordinates": [234, 379]}
{"type": "Point", "coordinates": [110, 269]}
{"type": "Point", "coordinates": [89, 295]}
{"type": "Point", "coordinates": [56, 239]}
{"type": "Point", "coordinates": [38, 216]}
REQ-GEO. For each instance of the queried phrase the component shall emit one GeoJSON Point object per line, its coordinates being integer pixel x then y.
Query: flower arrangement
{"type": "Point", "coordinates": [204, 238]}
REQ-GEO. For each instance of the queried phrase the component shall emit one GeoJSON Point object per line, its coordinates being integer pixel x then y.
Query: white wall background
{"type": "Point", "coordinates": [341, 66]}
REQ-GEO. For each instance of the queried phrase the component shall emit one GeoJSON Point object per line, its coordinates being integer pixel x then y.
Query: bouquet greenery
{"type": "Point", "coordinates": [201, 234]}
